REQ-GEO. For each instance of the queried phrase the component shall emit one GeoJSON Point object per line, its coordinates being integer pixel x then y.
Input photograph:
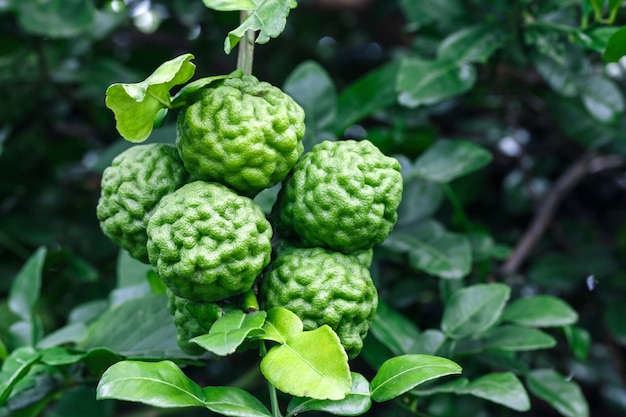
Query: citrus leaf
{"type": "Point", "coordinates": [182, 95]}
{"type": "Point", "coordinates": [448, 255]}
{"type": "Point", "coordinates": [235, 402]}
{"type": "Point", "coordinates": [471, 44]}
{"type": "Point", "coordinates": [403, 373]}
{"type": "Point", "coordinates": [24, 292]}
{"type": "Point", "coordinates": [602, 98]}
{"type": "Point", "coordinates": [501, 388]}
{"type": "Point", "coordinates": [540, 311]}
{"type": "Point", "coordinates": [514, 338]}
{"type": "Point", "coordinates": [269, 18]}
{"type": "Point", "coordinates": [232, 5]}
{"type": "Point", "coordinates": [447, 160]}
{"type": "Point", "coordinates": [422, 82]}
{"type": "Point", "coordinates": [230, 331]}
{"type": "Point", "coordinates": [14, 368]}
{"type": "Point", "coordinates": [473, 310]}
{"type": "Point", "coordinates": [56, 18]}
{"type": "Point", "coordinates": [159, 384]}
{"type": "Point", "coordinates": [357, 402]}
{"type": "Point", "coordinates": [579, 341]}
{"type": "Point", "coordinates": [565, 396]}
{"type": "Point", "coordinates": [312, 364]}
{"type": "Point", "coordinates": [135, 106]}
{"type": "Point", "coordinates": [393, 330]}
{"type": "Point", "coordinates": [616, 47]}
{"type": "Point", "coordinates": [281, 325]}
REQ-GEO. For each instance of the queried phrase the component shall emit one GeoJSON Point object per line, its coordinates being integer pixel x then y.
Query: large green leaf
{"type": "Point", "coordinates": [159, 384]}
{"type": "Point", "coordinates": [269, 18]}
{"type": "Point", "coordinates": [471, 44]}
{"type": "Point", "coordinates": [502, 388]}
{"type": "Point", "coordinates": [14, 368]}
{"type": "Point", "coordinates": [357, 402]}
{"type": "Point", "coordinates": [233, 401]}
{"type": "Point", "coordinates": [311, 87]}
{"type": "Point", "coordinates": [447, 255]}
{"type": "Point", "coordinates": [230, 331]}
{"type": "Point", "coordinates": [564, 395]}
{"type": "Point", "coordinates": [540, 311]}
{"type": "Point", "coordinates": [616, 47]}
{"type": "Point", "coordinates": [516, 338]}
{"type": "Point", "coordinates": [403, 373]}
{"type": "Point", "coordinates": [311, 364]}
{"type": "Point", "coordinates": [130, 271]}
{"type": "Point", "coordinates": [602, 98]}
{"type": "Point", "coordinates": [473, 310]}
{"type": "Point", "coordinates": [56, 18]}
{"type": "Point", "coordinates": [136, 105]}
{"type": "Point", "coordinates": [25, 289]}
{"type": "Point", "coordinates": [423, 82]}
{"type": "Point", "coordinates": [447, 160]}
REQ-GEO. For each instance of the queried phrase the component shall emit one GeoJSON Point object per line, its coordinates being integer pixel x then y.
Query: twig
{"type": "Point", "coordinates": [246, 47]}
{"type": "Point", "coordinates": [589, 163]}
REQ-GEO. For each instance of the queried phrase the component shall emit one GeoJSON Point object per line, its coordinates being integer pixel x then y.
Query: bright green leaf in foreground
{"type": "Point", "coordinates": [447, 160]}
{"type": "Point", "coordinates": [232, 5]}
{"type": "Point", "coordinates": [159, 384]}
{"type": "Point", "coordinates": [357, 402]}
{"type": "Point", "coordinates": [235, 402]}
{"type": "Point", "coordinates": [230, 331]}
{"type": "Point", "coordinates": [307, 364]}
{"type": "Point", "coordinates": [565, 396]}
{"type": "Point", "coordinates": [471, 311]}
{"type": "Point", "coordinates": [403, 373]}
{"type": "Point", "coordinates": [136, 105]}
{"type": "Point", "coordinates": [540, 311]}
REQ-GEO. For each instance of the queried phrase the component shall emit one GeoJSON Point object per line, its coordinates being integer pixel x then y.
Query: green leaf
{"type": "Point", "coordinates": [281, 325]}
{"type": "Point", "coordinates": [501, 388]}
{"type": "Point", "coordinates": [159, 384]}
{"type": "Point", "coordinates": [428, 342]}
{"type": "Point", "coordinates": [312, 364]}
{"type": "Point", "coordinates": [232, 5]}
{"type": "Point", "coordinates": [471, 44]}
{"type": "Point", "coordinates": [516, 338]}
{"type": "Point", "coordinates": [269, 18]}
{"type": "Point", "coordinates": [140, 327]}
{"type": "Point", "coordinates": [403, 373]}
{"type": "Point", "coordinates": [602, 98]}
{"type": "Point", "coordinates": [565, 396]}
{"type": "Point", "coordinates": [473, 310]}
{"type": "Point", "coordinates": [561, 78]}
{"type": "Point", "coordinates": [136, 105]}
{"type": "Point", "coordinates": [485, 248]}
{"type": "Point", "coordinates": [614, 313]}
{"type": "Point", "coordinates": [24, 292]}
{"type": "Point", "coordinates": [181, 97]}
{"type": "Point", "coordinates": [540, 311]}
{"type": "Point", "coordinates": [312, 88]}
{"type": "Point", "coordinates": [448, 255]}
{"type": "Point", "coordinates": [456, 386]}
{"type": "Point", "coordinates": [447, 160]}
{"type": "Point", "coordinates": [71, 333]}
{"type": "Point", "coordinates": [56, 18]}
{"type": "Point", "coordinates": [59, 356]}
{"type": "Point", "coordinates": [421, 13]}
{"type": "Point", "coordinates": [422, 82]}
{"type": "Point", "coordinates": [235, 402]}
{"type": "Point", "coordinates": [130, 271]}
{"type": "Point", "coordinates": [616, 47]}
{"type": "Point", "coordinates": [230, 331]}
{"type": "Point", "coordinates": [357, 402]}
{"type": "Point", "coordinates": [393, 330]}
{"type": "Point", "coordinates": [365, 96]}
{"type": "Point", "coordinates": [14, 368]}
{"type": "Point", "coordinates": [579, 341]}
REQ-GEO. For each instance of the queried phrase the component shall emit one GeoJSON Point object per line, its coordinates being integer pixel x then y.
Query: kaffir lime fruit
{"type": "Point", "coordinates": [243, 133]}
{"type": "Point", "coordinates": [130, 190]}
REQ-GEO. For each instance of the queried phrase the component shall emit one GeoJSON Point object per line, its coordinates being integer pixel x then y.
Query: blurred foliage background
{"type": "Point", "coordinates": [545, 104]}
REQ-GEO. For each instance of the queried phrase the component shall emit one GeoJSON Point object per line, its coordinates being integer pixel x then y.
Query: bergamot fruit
{"type": "Point", "coordinates": [130, 190]}
{"type": "Point", "coordinates": [323, 287]}
{"type": "Point", "coordinates": [208, 243]}
{"type": "Point", "coordinates": [341, 195]}
{"type": "Point", "coordinates": [244, 133]}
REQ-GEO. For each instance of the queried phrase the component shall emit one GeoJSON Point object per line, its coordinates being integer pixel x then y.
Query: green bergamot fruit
{"type": "Point", "coordinates": [341, 195]}
{"type": "Point", "coordinates": [244, 133]}
{"type": "Point", "coordinates": [130, 190]}
{"type": "Point", "coordinates": [208, 243]}
{"type": "Point", "coordinates": [323, 287]}
{"type": "Point", "coordinates": [191, 319]}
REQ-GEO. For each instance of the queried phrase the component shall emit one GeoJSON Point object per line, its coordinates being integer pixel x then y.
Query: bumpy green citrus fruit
{"type": "Point", "coordinates": [244, 133]}
{"type": "Point", "coordinates": [208, 243]}
{"type": "Point", "coordinates": [341, 195]}
{"type": "Point", "coordinates": [191, 319]}
{"type": "Point", "coordinates": [132, 187]}
{"type": "Point", "coordinates": [323, 287]}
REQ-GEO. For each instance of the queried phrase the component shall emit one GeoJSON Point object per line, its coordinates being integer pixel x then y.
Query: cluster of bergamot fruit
{"type": "Point", "coordinates": [188, 211]}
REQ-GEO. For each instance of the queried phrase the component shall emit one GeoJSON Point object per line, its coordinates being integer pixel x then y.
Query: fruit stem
{"type": "Point", "coordinates": [273, 397]}
{"type": "Point", "coordinates": [246, 47]}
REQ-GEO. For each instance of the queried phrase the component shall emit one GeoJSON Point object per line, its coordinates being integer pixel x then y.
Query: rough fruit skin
{"type": "Point", "coordinates": [341, 195]}
{"type": "Point", "coordinates": [323, 287]}
{"type": "Point", "coordinates": [132, 187]}
{"type": "Point", "coordinates": [208, 243]}
{"type": "Point", "coordinates": [244, 133]}
{"type": "Point", "coordinates": [191, 319]}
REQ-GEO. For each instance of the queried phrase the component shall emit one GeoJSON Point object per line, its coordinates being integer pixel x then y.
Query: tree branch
{"type": "Point", "coordinates": [589, 163]}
